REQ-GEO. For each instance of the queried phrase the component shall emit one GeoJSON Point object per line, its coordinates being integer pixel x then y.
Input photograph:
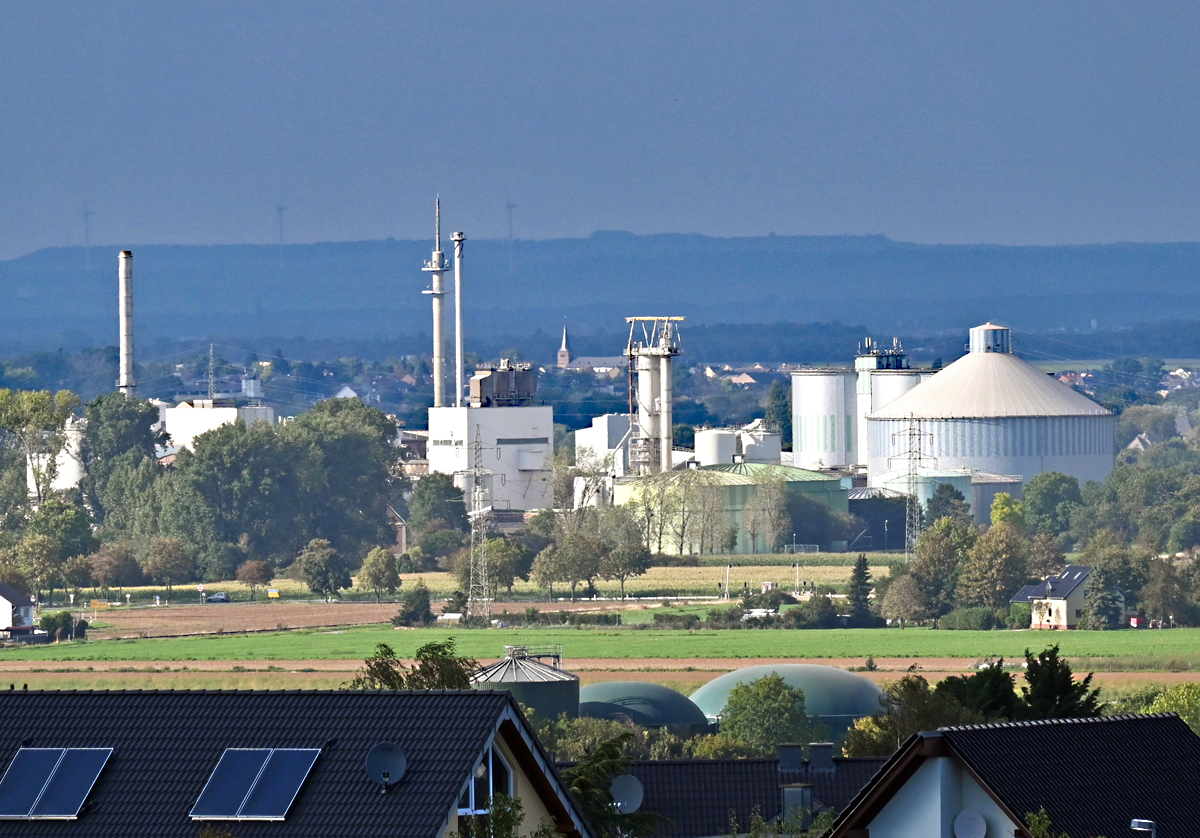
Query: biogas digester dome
{"type": "Point", "coordinates": [645, 704]}
{"type": "Point", "coordinates": [835, 696]}
{"type": "Point", "coordinates": [991, 412]}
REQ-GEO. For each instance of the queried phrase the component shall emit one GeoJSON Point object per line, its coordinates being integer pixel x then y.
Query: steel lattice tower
{"type": "Point", "coordinates": [915, 458]}
{"type": "Point", "coordinates": [479, 600]}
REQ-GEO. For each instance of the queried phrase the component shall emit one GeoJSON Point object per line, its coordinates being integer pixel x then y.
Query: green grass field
{"type": "Point", "coordinates": [1176, 648]}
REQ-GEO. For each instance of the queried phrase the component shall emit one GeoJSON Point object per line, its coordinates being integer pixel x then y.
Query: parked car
{"type": "Point", "coordinates": [220, 596]}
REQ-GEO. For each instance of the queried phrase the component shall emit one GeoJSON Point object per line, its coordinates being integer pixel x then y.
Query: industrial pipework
{"type": "Point", "coordinates": [437, 266]}
{"type": "Point", "coordinates": [125, 294]}
{"type": "Point", "coordinates": [652, 441]}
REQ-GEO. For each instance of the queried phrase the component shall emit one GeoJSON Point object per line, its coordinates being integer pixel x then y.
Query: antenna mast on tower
{"type": "Point", "coordinates": [436, 266]}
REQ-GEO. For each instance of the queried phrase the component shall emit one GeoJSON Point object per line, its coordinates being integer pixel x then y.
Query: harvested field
{"type": "Point", "coordinates": [233, 617]}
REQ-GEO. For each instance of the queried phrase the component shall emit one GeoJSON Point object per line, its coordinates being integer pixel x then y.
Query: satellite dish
{"type": "Point", "coordinates": [969, 824]}
{"type": "Point", "coordinates": [386, 764]}
{"type": "Point", "coordinates": [627, 793]}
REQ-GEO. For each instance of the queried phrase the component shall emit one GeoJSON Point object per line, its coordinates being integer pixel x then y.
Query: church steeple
{"type": "Point", "coordinates": [564, 351]}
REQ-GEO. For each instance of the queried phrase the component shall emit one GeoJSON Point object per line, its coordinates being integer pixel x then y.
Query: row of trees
{"type": "Point", "coordinates": [247, 500]}
{"type": "Point", "coordinates": [957, 566]}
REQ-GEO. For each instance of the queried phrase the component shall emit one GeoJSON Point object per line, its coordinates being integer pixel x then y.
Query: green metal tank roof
{"type": "Point", "coordinates": [831, 693]}
{"type": "Point", "coordinates": [646, 704]}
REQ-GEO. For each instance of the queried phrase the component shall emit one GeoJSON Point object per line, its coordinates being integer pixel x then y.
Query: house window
{"type": "Point", "coordinates": [492, 776]}
{"type": "Point", "coordinates": [1078, 613]}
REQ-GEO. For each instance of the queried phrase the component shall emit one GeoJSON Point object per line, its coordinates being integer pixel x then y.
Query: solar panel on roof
{"type": "Point", "coordinates": [50, 783]}
{"type": "Point", "coordinates": [254, 784]}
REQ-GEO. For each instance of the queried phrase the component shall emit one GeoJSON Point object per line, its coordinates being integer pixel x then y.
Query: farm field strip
{"type": "Point", "coordinates": [1158, 649]}
{"type": "Point", "coordinates": [657, 582]}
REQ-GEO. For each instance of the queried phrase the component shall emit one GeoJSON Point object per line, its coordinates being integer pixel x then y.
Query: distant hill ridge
{"type": "Point", "coordinates": [371, 289]}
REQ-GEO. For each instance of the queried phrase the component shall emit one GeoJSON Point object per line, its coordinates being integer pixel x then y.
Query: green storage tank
{"type": "Point", "coordinates": [643, 703]}
{"type": "Point", "coordinates": [546, 690]}
{"type": "Point", "coordinates": [835, 696]}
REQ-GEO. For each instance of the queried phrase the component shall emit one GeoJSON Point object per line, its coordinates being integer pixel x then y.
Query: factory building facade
{"type": "Point", "coordinates": [992, 412]}
{"type": "Point", "coordinates": [513, 434]}
{"type": "Point", "coordinates": [735, 486]}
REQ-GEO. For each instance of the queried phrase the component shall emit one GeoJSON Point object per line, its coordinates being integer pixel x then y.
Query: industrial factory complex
{"type": "Point", "coordinates": [987, 423]}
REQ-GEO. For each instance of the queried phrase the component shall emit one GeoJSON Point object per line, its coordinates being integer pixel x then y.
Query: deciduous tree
{"type": "Point", "coordinates": [322, 568]}
{"type": "Point", "coordinates": [1048, 499]}
{"type": "Point", "coordinates": [997, 567]}
{"type": "Point", "coordinates": [169, 561]}
{"type": "Point", "coordinates": [904, 601]}
{"type": "Point", "coordinates": [254, 573]}
{"type": "Point", "coordinates": [37, 420]}
{"type": "Point", "coordinates": [624, 562]}
{"type": "Point", "coordinates": [1046, 558]}
{"type": "Point", "coordinates": [379, 573]}
{"type": "Point", "coordinates": [766, 712]}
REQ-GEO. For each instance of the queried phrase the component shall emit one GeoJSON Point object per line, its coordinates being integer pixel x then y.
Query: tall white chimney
{"type": "Point", "coordinates": [437, 266]}
{"type": "Point", "coordinates": [458, 238]}
{"type": "Point", "coordinates": [125, 274]}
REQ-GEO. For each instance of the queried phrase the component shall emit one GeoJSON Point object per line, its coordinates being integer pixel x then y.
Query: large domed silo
{"type": "Point", "coordinates": [547, 691]}
{"type": "Point", "coordinates": [992, 412]}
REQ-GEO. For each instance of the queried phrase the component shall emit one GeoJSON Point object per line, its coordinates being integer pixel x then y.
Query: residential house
{"type": "Point", "coordinates": [1091, 776]}
{"type": "Point", "coordinates": [700, 798]}
{"type": "Point", "coordinates": [168, 764]}
{"type": "Point", "coordinates": [1057, 601]}
{"type": "Point", "coordinates": [16, 609]}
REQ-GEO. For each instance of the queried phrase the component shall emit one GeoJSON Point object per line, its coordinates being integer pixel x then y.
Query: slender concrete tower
{"type": "Point", "coordinates": [125, 278]}
{"type": "Point", "coordinates": [437, 267]}
{"type": "Point", "coordinates": [458, 239]}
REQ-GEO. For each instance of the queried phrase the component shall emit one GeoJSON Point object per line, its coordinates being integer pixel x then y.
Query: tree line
{"type": "Point", "coordinates": [247, 501]}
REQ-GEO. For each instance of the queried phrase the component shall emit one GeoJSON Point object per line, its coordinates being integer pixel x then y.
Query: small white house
{"type": "Point", "coordinates": [16, 608]}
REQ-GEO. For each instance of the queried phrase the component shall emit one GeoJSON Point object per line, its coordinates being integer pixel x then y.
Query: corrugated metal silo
{"type": "Point", "coordinates": [823, 425]}
{"type": "Point", "coordinates": [548, 691]}
{"type": "Point", "coordinates": [990, 411]}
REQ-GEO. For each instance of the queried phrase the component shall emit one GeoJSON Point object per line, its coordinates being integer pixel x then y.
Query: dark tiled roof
{"type": "Point", "coordinates": [1062, 585]}
{"type": "Point", "coordinates": [700, 797]}
{"type": "Point", "coordinates": [14, 596]}
{"type": "Point", "coordinates": [1092, 775]}
{"type": "Point", "coordinates": [166, 744]}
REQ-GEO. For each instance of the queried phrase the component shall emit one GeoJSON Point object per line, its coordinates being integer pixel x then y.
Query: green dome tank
{"type": "Point", "coordinates": [834, 695]}
{"type": "Point", "coordinates": [643, 703]}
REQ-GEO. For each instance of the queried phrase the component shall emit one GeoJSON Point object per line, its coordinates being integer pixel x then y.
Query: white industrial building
{"type": "Point", "coordinates": [187, 420]}
{"type": "Point", "coordinates": [515, 439]}
{"type": "Point", "coordinates": [992, 412]}
{"type": "Point", "coordinates": [607, 437]}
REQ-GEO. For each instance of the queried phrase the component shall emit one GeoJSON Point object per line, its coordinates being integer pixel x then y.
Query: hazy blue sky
{"type": "Point", "coordinates": [933, 122]}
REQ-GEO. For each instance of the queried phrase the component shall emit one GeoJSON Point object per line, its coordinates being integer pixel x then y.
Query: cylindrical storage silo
{"type": "Point", "coordinates": [991, 412]}
{"type": "Point", "coordinates": [715, 447]}
{"type": "Point", "coordinates": [547, 691]}
{"type": "Point", "coordinates": [761, 446]}
{"type": "Point", "coordinates": [889, 385]}
{"type": "Point", "coordinates": [823, 423]}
